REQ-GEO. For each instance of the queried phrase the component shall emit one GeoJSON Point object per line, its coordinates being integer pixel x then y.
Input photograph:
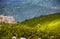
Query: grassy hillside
{"type": "Point", "coordinates": [39, 27]}
{"type": "Point", "coordinates": [43, 20]}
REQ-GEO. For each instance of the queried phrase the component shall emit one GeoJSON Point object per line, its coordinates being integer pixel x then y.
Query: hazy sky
{"type": "Point", "coordinates": [24, 9]}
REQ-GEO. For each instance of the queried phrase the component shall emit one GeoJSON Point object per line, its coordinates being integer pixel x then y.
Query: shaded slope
{"type": "Point", "coordinates": [26, 11]}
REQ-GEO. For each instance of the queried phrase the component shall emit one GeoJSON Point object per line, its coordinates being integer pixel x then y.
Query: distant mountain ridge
{"type": "Point", "coordinates": [26, 9]}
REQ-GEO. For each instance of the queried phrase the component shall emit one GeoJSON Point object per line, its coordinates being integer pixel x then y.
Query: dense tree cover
{"type": "Point", "coordinates": [44, 27]}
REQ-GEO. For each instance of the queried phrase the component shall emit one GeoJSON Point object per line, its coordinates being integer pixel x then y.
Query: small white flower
{"type": "Point", "coordinates": [23, 38]}
{"type": "Point", "coordinates": [52, 36]}
{"type": "Point", "coordinates": [39, 38]}
{"type": "Point", "coordinates": [14, 37]}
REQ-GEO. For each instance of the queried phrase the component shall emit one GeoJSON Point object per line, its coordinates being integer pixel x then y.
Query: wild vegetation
{"type": "Point", "coordinates": [45, 27]}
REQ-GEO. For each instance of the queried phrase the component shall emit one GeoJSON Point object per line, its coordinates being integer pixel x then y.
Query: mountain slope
{"type": "Point", "coordinates": [43, 20]}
